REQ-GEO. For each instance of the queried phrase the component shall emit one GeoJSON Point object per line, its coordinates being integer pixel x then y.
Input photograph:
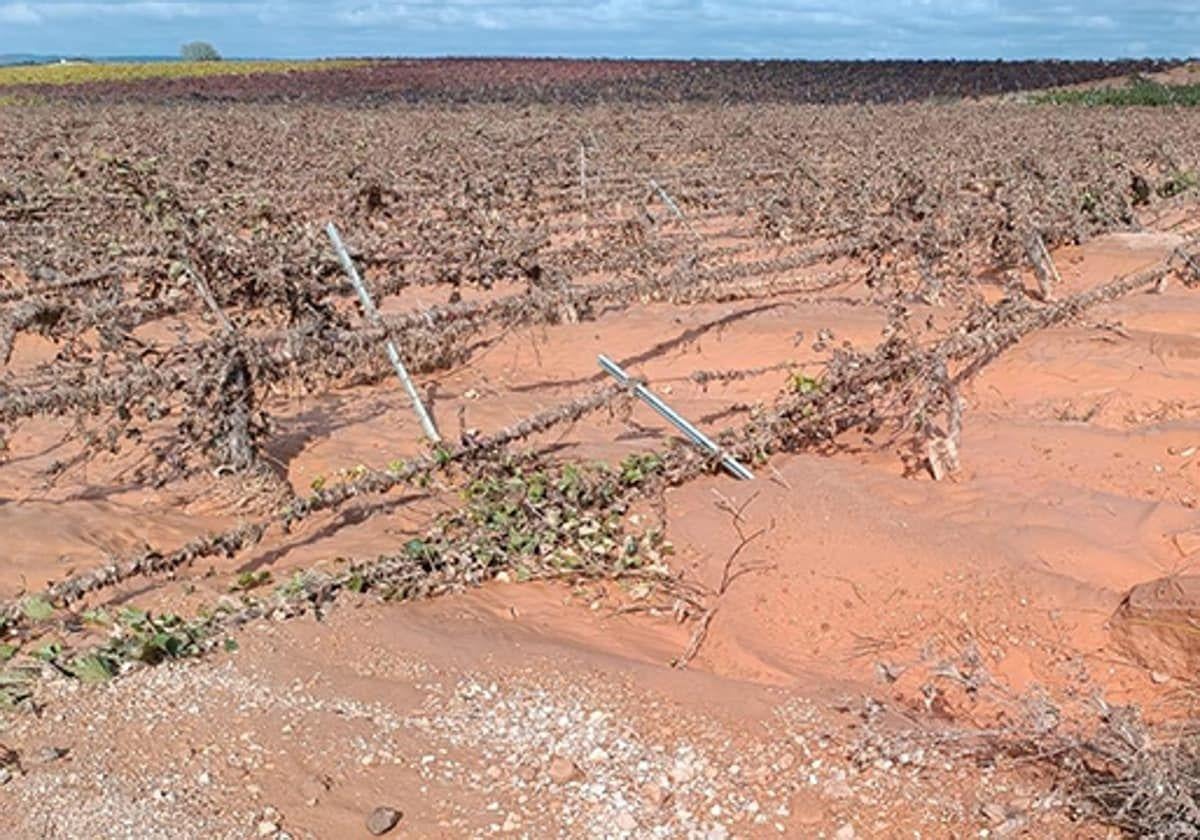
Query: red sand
{"type": "Point", "coordinates": [1079, 481]}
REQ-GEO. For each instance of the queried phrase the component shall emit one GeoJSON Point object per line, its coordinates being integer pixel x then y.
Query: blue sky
{"type": "Point", "coordinates": [616, 28]}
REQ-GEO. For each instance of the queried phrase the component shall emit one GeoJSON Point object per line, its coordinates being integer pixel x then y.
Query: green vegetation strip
{"type": "Point", "coordinates": [1139, 92]}
{"type": "Point", "coordinates": [75, 73]}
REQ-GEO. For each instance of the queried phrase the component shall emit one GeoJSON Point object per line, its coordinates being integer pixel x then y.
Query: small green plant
{"type": "Point", "coordinates": [801, 384]}
{"type": "Point", "coordinates": [97, 617]}
{"type": "Point", "coordinates": [143, 637]}
{"type": "Point", "coordinates": [416, 549]}
{"type": "Point", "coordinates": [250, 580]}
{"type": "Point", "coordinates": [636, 468]}
{"type": "Point", "coordinates": [296, 584]}
{"type": "Point", "coordinates": [93, 667]}
{"type": "Point", "coordinates": [37, 608]}
{"type": "Point", "coordinates": [16, 687]}
{"type": "Point", "coordinates": [1177, 183]}
{"type": "Point", "coordinates": [49, 652]}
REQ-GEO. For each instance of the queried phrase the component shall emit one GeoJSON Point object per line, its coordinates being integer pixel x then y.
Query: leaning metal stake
{"type": "Point", "coordinates": [372, 314]}
{"type": "Point", "coordinates": [731, 464]}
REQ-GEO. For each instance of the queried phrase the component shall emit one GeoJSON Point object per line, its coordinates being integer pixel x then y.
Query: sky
{"type": "Point", "coordinates": [610, 28]}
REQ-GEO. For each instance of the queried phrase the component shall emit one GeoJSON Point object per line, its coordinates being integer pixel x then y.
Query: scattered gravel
{"type": "Point", "coordinates": [262, 743]}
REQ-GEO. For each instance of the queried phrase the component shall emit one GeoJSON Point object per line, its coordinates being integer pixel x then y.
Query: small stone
{"type": "Point", "coordinates": [994, 812]}
{"type": "Point", "coordinates": [845, 832]}
{"type": "Point", "coordinates": [597, 755]}
{"type": "Point", "coordinates": [494, 773]}
{"type": "Point", "coordinates": [655, 795]}
{"type": "Point", "coordinates": [266, 828]}
{"type": "Point", "coordinates": [785, 762]}
{"type": "Point", "coordinates": [682, 772]}
{"type": "Point", "coordinates": [563, 770]}
{"type": "Point", "coordinates": [1011, 826]}
{"type": "Point", "coordinates": [511, 823]}
{"type": "Point", "coordinates": [382, 820]}
{"type": "Point", "coordinates": [1158, 677]}
{"type": "Point", "coordinates": [204, 778]}
{"type": "Point", "coordinates": [47, 755]}
{"type": "Point", "coordinates": [627, 821]}
{"type": "Point", "coordinates": [5, 775]}
{"type": "Point", "coordinates": [838, 789]}
{"type": "Point", "coordinates": [717, 832]}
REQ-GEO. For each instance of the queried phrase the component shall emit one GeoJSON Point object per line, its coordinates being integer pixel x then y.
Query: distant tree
{"type": "Point", "coordinates": [199, 51]}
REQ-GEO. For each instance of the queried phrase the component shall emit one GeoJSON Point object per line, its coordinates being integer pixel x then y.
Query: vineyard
{"type": "Point", "coordinates": [201, 430]}
{"type": "Point", "coordinates": [558, 81]}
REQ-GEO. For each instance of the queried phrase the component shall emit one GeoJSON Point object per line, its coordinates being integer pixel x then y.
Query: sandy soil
{"type": "Point", "coordinates": [533, 711]}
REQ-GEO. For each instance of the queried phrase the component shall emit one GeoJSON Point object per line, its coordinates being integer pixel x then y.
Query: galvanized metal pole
{"type": "Point", "coordinates": [731, 464]}
{"type": "Point", "coordinates": [670, 202]}
{"type": "Point", "coordinates": [372, 314]}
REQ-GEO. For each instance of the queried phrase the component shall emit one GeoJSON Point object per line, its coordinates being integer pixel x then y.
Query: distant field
{"type": "Point", "coordinates": [75, 73]}
{"type": "Point", "coordinates": [562, 81]}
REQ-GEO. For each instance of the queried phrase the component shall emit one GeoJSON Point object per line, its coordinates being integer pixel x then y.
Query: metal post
{"type": "Point", "coordinates": [582, 173]}
{"type": "Point", "coordinates": [206, 295]}
{"type": "Point", "coordinates": [731, 464]}
{"type": "Point", "coordinates": [666, 199]}
{"type": "Point", "coordinates": [372, 314]}
{"type": "Point", "coordinates": [674, 208]}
